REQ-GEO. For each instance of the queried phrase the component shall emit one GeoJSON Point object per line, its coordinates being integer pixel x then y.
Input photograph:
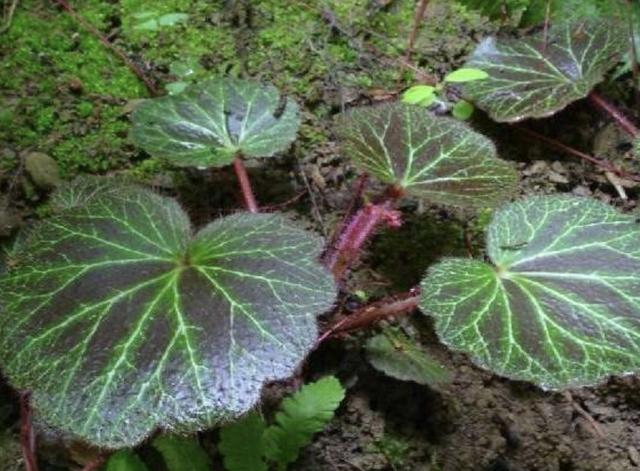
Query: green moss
{"type": "Point", "coordinates": [54, 75]}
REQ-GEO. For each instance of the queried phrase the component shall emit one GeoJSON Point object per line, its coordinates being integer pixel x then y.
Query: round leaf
{"type": "Point", "coordinates": [422, 95]}
{"type": "Point", "coordinates": [534, 78]}
{"type": "Point", "coordinates": [436, 158]}
{"type": "Point", "coordinates": [462, 110]}
{"type": "Point", "coordinates": [560, 306]}
{"type": "Point", "coordinates": [465, 75]}
{"type": "Point", "coordinates": [208, 124]}
{"type": "Point", "coordinates": [120, 322]}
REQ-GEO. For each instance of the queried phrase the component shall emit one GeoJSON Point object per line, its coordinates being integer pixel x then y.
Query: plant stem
{"type": "Point", "coordinates": [95, 464]}
{"type": "Point", "coordinates": [417, 19]}
{"type": "Point", "coordinates": [570, 150]}
{"type": "Point", "coordinates": [393, 306]}
{"type": "Point", "coordinates": [94, 31]}
{"type": "Point", "coordinates": [359, 230]}
{"type": "Point", "coordinates": [27, 435]}
{"type": "Point", "coordinates": [616, 114]}
{"type": "Point", "coordinates": [245, 185]}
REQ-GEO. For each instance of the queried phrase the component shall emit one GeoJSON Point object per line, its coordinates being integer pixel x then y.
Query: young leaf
{"type": "Point", "coordinates": [462, 110]}
{"type": "Point", "coordinates": [398, 356]}
{"type": "Point", "coordinates": [559, 307]}
{"type": "Point", "coordinates": [422, 95]}
{"type": "Point", "coordinates": [182, 453]}
{"type": "Point", "coordinates": [208, 124]}
{"type": "Point", "coordinates": [436, 158]}
{"type": "Point", "coordinates": [120, 321]}
{"type": "Point", "coordinates": [534, 78]}
{"type": "Point", "coordinates": [465, 75]}
{"type": "Point", "coordinates": [125, 460]}
{"type": "Point", "coordinates": [242, 444]}
{"type": "Point", "coordinates": [302, 415]}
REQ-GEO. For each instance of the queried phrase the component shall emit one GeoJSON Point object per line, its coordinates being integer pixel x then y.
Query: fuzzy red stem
{"type": "Point", "coordinates": [94, 31]}
{"type": "Point", "coordinates": [245, 185]}
{"type": "Point", "coordinates": [357, 232]}
{"type": "Point", "coordinates": [389, 307]}
{"type": "Point", "coordinates": [610, 109]}
{"type": "Point", "coordinates": [27, 435]}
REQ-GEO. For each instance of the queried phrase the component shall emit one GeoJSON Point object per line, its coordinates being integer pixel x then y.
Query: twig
{"type": "Point", "coordinates": [585, 415]}
{"type": "Point", "coordinates": [417, 19]}
{"type": "Point", "coordinates": [27, 434]}
{"type": "Point", "coordinates": [634, 54]}
{"type": "Point", "coordinates": [610, 109]}
{"type": "Point", "coordinates": [151, 87]}
{"type": "Point", "coordinates": [547, 15]}
{"type": "Point", "coordinates": [9, 17]}
{"type": "Point", "coordinates": [389, 307]}
{"type": "Point", "coordinates": [245, 185]}
{"type": "Point", "coordinates": [605, 165]}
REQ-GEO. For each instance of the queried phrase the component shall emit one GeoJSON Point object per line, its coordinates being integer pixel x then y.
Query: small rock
{"type": "Point", "coordinates": [42, 169]}
{"type": "Point", "coordinates": [581, 190]}
{"type": "Point", "coordinates": [634, 455]}
{"type": "Point", "coordinates": [555, 177]}
{"type": "Point", "coordinates": [557, 166]}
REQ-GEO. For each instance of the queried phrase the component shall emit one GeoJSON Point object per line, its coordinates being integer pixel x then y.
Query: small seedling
{"type": "Point", "coordinates": [250, 444]}
{"type": "Point", "coordinates": [427, 95]}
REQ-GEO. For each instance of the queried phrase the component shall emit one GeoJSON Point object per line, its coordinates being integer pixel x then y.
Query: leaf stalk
{"type": "Point", "coordinates": [245, 185]}
{"type": "Point", "coordinates": [615, 113]}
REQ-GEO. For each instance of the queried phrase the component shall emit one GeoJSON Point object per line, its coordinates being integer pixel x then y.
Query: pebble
{"type": "Point", "coordinates": [43, 170]}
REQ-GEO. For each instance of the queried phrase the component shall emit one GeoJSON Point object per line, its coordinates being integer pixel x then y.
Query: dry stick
{"type": "Point", "coordinates": [393, 306]}
{"type": "Point", "coordinates": [417, 19]}
{"type": "Point", "coordinates": [27, 434]}
{"type": "Point", "coordinates": [610, 109]}
{"type": "Point", "coordinates": [94, 31]}
{"type": "Point", "coordinates": [245, 185]}
{"type": "Point", "coordinates": [634, 54]}
{"type": "Point", "coordinates": [585, 415]}
{"type": "Point", "coordinates": [9, 17]}
{"type": "Point", "coordinates": [570, 150]}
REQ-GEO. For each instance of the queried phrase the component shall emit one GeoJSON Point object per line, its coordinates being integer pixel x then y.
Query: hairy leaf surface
{"type": "Point", "coordinates": [209, 123]}
{"type": "Point", "coordinates": [120, 321]}
{"type": "Point", "coordinates": [560, 306]}
{"type": "Point", "coordinates": [435, 158]}
{"type": "Point", "coordinates": [534, 78]}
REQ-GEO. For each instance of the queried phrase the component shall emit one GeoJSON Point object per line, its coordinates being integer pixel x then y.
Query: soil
{"type": "Point", "coordinates": [478, 421]}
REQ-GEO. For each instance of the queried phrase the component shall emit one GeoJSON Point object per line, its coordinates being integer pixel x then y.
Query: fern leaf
{"type": "Point", "coordinates": [241, 444]}
{"type": "Point", "coordinates": [125, 460]}
{"type": "Point", "coordinates": [182, 453]}
{"type": "Point", "coordinates": [301, 416]}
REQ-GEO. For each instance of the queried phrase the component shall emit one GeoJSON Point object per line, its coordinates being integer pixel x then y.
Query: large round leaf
{"type": "Point", "coordinates": [436, 158]}
{"type": "Point", "coordinates": [120, 321]}
{"type": "Point", "coordinates": [560, 306]}
{"type": "Point", "coordinates": [208, 124]}
{"type": "Point", "coordinates": [534, 77]}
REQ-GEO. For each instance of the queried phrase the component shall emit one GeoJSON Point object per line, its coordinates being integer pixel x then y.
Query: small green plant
{"type": "Point", "coordinates": [427, 95]}
{"type": "Point", "coordinates": [250, 444]}
{"type": "Point", "coordinates": [178, 453]}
